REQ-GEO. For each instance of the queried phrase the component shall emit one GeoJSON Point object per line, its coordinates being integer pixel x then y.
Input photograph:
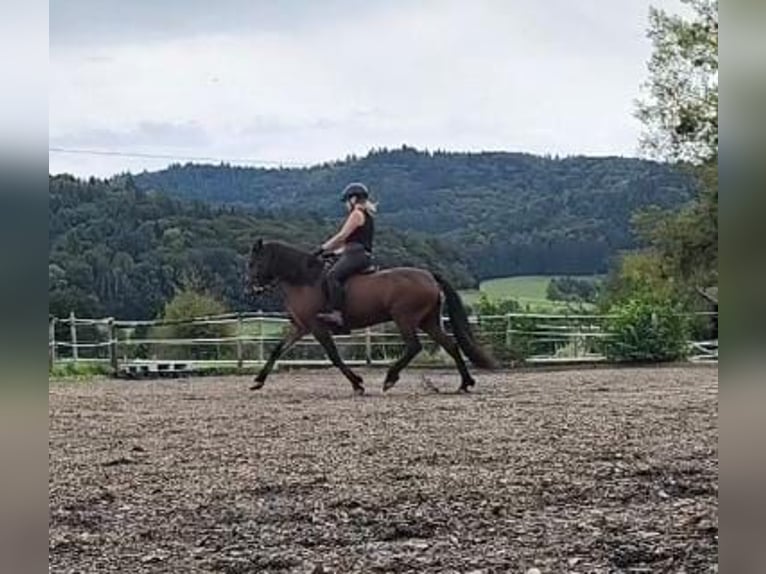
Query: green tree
{"type": "Point", "coordinates": [680, 115]}
{"type": "Point", "coordinates": [640, 273]}
{"type": "Point", "coordinates": [179, 311]}
{"type": "Point", "coordinates": [188, 304]}
{"type": "Point", "coordinates": [680, 108]}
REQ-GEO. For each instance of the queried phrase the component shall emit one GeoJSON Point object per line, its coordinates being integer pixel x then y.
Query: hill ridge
{"type": "Point", "coordinates": [512, 213]}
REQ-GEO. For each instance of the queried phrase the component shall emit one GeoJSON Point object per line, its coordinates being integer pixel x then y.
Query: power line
{"type": "Point", "coordinates": [142, 155]}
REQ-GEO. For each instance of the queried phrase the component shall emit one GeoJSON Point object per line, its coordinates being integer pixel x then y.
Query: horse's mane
{"type": "Point", "coordinates": [291, 264]}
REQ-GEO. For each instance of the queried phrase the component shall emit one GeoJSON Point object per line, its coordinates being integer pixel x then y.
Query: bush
{"type": "Point", "coordinates": [187, 305]}
{"type": "Point", "coordinates": [492, 330]}
{"type": "Point", "coordinates": [573, 289]}
{"type": "Point", "coordinates": [636, 274]}
{"type": "Point", "coordinates": [82, 370]}
{"type": "Point", "coordinates": [646, 328]}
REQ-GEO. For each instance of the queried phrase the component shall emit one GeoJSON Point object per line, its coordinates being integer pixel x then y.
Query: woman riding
{"type": "Point", "coordinates": [354, 244]}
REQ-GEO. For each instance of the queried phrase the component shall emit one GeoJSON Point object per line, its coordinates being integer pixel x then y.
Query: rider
{"type": "Point", "coordinates": [353, 242]}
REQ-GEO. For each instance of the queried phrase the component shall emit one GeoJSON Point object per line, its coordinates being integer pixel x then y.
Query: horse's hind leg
{"type": "Point", "coordinates": [412, 348]}
{"type": "Point", "coordinates": [434, 330]}
{"type": "Point", "coordinates": [325, 339]}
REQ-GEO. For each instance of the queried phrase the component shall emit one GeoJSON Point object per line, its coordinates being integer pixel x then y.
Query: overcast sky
{"type": "Point", "coordinates": [299, 82]}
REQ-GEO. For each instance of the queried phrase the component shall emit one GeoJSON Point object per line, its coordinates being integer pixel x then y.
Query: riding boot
{"type": "Point", "coordinates": [335, 299]}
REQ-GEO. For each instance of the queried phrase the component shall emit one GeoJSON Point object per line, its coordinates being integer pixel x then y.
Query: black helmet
{"type": "Point", "coordinates": [355, 190]}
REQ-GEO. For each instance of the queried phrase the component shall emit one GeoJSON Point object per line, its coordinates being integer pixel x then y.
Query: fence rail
{"type": "Point", "coordinates": [246, 340]}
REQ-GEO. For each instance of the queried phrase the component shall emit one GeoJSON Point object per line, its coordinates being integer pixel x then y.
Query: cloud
{"type": "Point", "coordinates": [110, 22]}
{"type": "Point", "coordinates": [307, 82]}
{"type": "Point", "coordinates": [145, 134]}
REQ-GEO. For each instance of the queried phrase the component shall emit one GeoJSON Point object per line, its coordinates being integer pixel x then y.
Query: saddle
{"type": "Point", "coordinates": [330, 259]}
{"type": "Point", "coordinates": [370, 269]}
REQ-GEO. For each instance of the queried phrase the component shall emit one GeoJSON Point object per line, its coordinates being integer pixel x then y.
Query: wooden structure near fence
{"type": "Point", "coordinates": [136, 348]}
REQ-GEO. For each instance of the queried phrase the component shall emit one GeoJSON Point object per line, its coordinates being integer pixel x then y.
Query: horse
{"type": "Point", "coordinates": [408, 296]}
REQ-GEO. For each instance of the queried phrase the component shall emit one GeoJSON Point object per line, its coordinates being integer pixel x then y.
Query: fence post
{"type": "Point", "coordinates": [51, 342]}
{"type": "Point", "coordinates": [73, 336]}
{"type": "Point", "coordinates": [239, 341]}
{"type": "Point", "coordinates": [578, 339]}
{"type": "Point", "coordinates": [260, 336]}
{"type": "Point", "coordinates": [112, 345]}
{"type": "Point", "coordinates": [508, 333]}
{"type": "Point", "coordinates": [368, 346]}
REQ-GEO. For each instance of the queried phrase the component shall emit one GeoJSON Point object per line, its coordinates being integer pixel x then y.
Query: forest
{"type": "Point", "coordinates": [126, 245]}
{"type": "Point", "coordinates": [510, 213]}
{"type": "Point", "coordinates": [117, 250]}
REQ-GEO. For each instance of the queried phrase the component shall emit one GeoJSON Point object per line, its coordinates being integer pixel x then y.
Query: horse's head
{"type": "Point", "coordinates": [260, 272]}
{"type": "Point", "coordinates": [274, 261]}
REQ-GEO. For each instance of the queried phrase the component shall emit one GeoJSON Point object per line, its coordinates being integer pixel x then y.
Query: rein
{"type": "Point", "coordinates": [325, 259]}
{"type": "Point", "coordinates": [261, 289]}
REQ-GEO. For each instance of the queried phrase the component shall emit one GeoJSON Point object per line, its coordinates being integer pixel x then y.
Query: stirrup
{"type": "Point", "coordinates": [333, 317]}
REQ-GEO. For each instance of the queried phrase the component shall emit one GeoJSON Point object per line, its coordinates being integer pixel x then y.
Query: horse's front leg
{"type": "Point", "coordinates": [282, 347]}
{"type": "Point", "coordinates": [325, 339]}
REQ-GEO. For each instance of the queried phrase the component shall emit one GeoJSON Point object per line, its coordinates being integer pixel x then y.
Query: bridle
{"type": "Point", "coordinates": [262, 289]}
{"type": "Point", "coordinates": [259, 290]}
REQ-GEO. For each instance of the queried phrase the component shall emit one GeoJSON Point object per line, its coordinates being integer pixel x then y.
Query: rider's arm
{"type": "Point", "coordinates": [354, 220]}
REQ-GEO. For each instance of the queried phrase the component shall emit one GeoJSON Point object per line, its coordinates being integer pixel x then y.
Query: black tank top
{"type": "Point", "coordinates": [363, 234]}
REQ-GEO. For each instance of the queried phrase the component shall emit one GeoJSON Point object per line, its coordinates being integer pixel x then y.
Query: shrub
{"type": "Point", "coordinates": [492, 330]}
{"type": "Point", "coordinates": [646, 328]}
{"type": "Point", "coordinates": [573, 289]}
{"type": "Point", "coordinates": [72, 370]}
{"type": "Point", "coordinates": [187, 305]}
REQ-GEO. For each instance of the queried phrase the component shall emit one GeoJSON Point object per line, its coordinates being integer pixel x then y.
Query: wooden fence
{"type": "Point", "coordinates": [245, 340]}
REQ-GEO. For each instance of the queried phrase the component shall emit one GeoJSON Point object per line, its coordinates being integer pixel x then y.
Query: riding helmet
{"type": "Point", "coordinates": [358, 190]}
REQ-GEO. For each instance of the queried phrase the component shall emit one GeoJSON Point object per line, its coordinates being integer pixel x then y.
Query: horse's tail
{"type": "Point", "coordinates": [461, 328]}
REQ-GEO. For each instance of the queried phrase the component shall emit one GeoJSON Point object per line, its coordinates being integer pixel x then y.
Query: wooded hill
{"type": "Point", "coordinates": [117, 250]}
{"type": "Point", "coordinates": [509, 213]}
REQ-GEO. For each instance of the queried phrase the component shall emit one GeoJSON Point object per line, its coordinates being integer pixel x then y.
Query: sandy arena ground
{"type": "Point", "coordinates": [592, 470]}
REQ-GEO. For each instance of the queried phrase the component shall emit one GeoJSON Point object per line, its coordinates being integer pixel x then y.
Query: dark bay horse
{"type": "Point", "coordinates": [409, 297]}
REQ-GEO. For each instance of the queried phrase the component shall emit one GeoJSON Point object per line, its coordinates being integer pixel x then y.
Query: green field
{"type": "Point", "coordinates": [529, 290]}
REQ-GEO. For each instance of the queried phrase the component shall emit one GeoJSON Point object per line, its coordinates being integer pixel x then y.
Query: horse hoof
{"type": "Point", "coordinates": [257, 385]}
{"type": "Point", "coordinates": [389, 382]}
{"type": "Point", "coordinates": [359, 391]}
{"type": "Point", "coordinates": [464, 389]}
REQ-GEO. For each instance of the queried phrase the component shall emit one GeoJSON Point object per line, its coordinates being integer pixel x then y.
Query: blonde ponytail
{"type": "Point", "coordinates": [369, 206]}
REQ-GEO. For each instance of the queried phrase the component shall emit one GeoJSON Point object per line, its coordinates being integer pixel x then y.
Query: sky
{"type": "Point", "coordinates": [299, 82]}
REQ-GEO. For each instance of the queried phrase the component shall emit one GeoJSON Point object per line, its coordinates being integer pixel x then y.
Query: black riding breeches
{"type": "Point", "coordinates": [353, 260]}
